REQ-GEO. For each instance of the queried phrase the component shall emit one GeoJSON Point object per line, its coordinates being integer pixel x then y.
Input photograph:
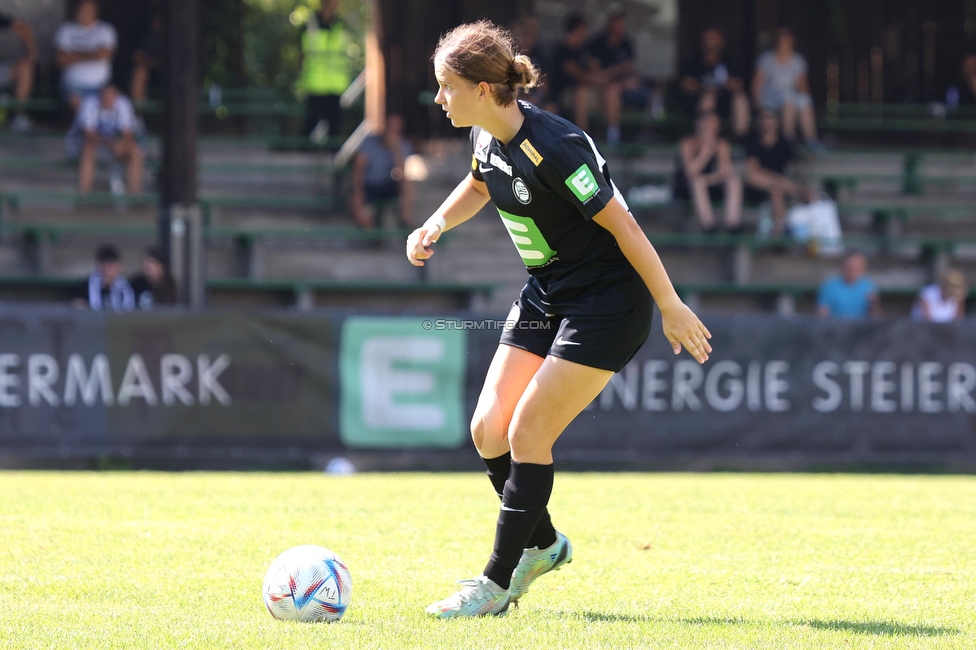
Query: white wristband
{"type": "Point", "coordinates": [437, 221]}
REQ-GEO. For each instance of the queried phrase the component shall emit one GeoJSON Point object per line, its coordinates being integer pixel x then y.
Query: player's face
{"type": "Point", "coordinates": [458, 97]}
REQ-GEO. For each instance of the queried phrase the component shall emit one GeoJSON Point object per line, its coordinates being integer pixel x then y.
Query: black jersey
{"type": "Point", "coordinates": [547, 184]}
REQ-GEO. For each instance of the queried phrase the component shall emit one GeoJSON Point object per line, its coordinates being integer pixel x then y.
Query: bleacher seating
{"type": "Point", "coordinates": [279, 233]}
{"type": "Point", "coordinates": [904, 118]}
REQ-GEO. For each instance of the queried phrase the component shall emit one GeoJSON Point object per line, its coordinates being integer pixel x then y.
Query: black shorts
{"type": "Point", "coordinates": [606, 340]}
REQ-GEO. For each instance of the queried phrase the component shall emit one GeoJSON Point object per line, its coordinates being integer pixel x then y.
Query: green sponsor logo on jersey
{"type": "Point", "coordinates": [528, 239]}
{"type": "Point", "coordinates": [582, 183]}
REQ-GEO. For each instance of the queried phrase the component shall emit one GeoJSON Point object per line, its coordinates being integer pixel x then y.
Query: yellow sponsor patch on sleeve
{"type": "Point", "coordinates": [530, 151]}
{"type": "Point", "coordinates": [474, 163]}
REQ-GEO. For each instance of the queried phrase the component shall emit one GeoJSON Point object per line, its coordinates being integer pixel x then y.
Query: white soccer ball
{"type": "Point", "coordinates": [307, 583]}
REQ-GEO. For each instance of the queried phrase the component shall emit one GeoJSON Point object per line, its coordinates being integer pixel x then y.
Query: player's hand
{"type": "Point", "coordinates": [419, 241]}
{"type": "Point", "coordinates": [683, 328]}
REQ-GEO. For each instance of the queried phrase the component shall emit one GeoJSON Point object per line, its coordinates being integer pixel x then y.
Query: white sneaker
{"type": "Point", "coordinates": [478, 597]}
{"type": "Point", "coordinates": [538, 561]}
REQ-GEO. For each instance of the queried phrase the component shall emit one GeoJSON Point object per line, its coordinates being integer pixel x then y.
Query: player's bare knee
{"type": "Point", "coordinates": [519, 440]}
{"type": "Point", "coordinates": [487, 422]}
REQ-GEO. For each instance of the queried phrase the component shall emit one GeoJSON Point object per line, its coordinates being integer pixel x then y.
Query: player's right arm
{"type": "Point", "coordinates": [463, 203]}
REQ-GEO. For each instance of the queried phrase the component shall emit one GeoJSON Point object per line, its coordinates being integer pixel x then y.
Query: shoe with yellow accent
{"type": "Point", "coordinates": [539, 561]}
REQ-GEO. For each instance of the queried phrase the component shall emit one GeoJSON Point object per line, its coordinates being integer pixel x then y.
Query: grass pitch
{"type": "Point", "coordinates": [145, 560]}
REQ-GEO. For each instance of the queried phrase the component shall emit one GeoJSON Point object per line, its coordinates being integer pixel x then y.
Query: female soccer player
{"type": "Point", "coordinates": [590, 269]}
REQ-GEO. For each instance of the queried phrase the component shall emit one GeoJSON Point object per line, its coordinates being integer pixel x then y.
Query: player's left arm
{"type": "Point", "coordinates": [681, 325]}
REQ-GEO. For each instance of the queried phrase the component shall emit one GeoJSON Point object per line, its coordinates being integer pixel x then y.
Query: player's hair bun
{"type": "Point", "coordinates": [483, 51]}
{"type": "Point", "coordinates": [524, 76]}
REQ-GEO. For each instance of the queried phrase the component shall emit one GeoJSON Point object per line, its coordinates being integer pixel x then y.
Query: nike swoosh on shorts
{"type": "Point", "coordinates": [562, 341]}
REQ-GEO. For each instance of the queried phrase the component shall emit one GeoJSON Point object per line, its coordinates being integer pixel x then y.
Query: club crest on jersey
{"type": "Point", "coordinates": [501, 164]}
{"type": "Point", "coordinates": [481, 146]}
{"type": "Point", "coordinates": [521, 191]}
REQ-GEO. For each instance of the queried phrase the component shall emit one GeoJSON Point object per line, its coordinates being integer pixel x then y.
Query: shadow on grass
{"type": "Point", "coordinates": [879, 628]}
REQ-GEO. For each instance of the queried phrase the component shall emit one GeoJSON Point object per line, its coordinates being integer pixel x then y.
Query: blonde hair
{"type": "Point", "coordinates": [483, 51]}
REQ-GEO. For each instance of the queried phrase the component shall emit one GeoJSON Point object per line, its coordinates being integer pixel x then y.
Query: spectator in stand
{"type": "Point", "coordinates": [106, 126]}
{"type": "Point", "coordinates": [18, 56]}
{"type": "Point", "coordinates": [780, 84]}
{"type": "Point", "coordinates": [378, 176]}
{"type": "Point", "coordinates": [84, 53]}
{"type": "Point", "coordinates": [709, 82]}
{"type": "Point", "coordinates": [154, 285]}
{"type": "Point", "coordinates": [944, 301]}
{"type": "Point", "coordinates": [569, 75]}
{"type": "Point", "coordinates": [851, 294]}
{"type": "Point", "coordinates": [613, 55]}
{"type": "Point", "coordinates": [705, 174]}
{"type": "Point", "coordinates": [146, 60]}
{"type": "Point", "coordinates": [767, 155]}
{"type": "Point", "coordinates": [106, 287]}
{"type": "Point", "coordinates": [526, 33]}
{"type": "Point", "coordinates": [325, 72]}
{"type": "Point", "coordinates": [967, 85]}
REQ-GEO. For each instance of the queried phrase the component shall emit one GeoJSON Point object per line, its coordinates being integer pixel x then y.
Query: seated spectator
{"type": "Point", "coordinates": [780, 84]}
{"type": "Point", "coordinates": [526, 33]}
{"type": "Point", "coordinates": [154, 285]}
{"type": "Point", "coordinates": [709, 82]}
{"type": "Point", "coordinates": [613, 55]}
{"type": "Point", "coordinates": [569, 71]}
{"type": "Point", "coordinates": [705, 174]}
{"type": "Point", "coordinates": [84, 53]}
{"type": "Point", "coordinates": [767, 155]}
{"type": "Point", "coordinates": [106, 287]}
{"type": "Point", "coordinates": [378, 176]}
{"type": "Point", "coordinates": [942, 302]}
{"type": "Point", "coordinates": [967, 85]}
{"type": "Point", "coordinates": [146, 60]}
{"type": "Point", "coordinates": [106, 126]}
{"type": "Point", "coordinates": [851, 294]}
{"type": "Point", "coordinates": [18, 55]}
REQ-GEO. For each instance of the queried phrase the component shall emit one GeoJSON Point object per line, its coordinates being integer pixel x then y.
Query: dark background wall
{"type": "Point", "coordinates": [410, 31]}
{"type": "Point", "coordinates": [916, 45]}
{"type": "Point", "coordinates": [895, 50]}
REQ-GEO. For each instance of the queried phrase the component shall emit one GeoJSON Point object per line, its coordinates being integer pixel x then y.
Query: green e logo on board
{"type": "Point", "coordinates": [401, 384]}
{"type": "Point", "coordinates": [528, 239]}
{"type": "Point", "coordinates": [582, 183]}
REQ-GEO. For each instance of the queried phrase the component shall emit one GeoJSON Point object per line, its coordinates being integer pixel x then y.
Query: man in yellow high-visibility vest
{"type": "Point", "coordinates": [325, 71]}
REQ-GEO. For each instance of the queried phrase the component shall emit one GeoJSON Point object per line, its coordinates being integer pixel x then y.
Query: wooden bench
{"type": "Point", "coordinates": [11, 202]}
{"type": "Point", "coordinates": [301, 294]}
{"type": "Point", "coordinates": [783, 298]}
{"type": "Point", "coordinates": [39, 238]}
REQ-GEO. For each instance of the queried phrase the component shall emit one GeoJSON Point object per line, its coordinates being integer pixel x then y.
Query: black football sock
{"type": "Point", "coordinates": [524, 499]}
{"type": "Point", "coordinates": [499, 469]}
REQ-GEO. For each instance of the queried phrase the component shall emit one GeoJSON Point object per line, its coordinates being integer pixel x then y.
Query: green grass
{"type": "Point", "coordinates": [140, 560]}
